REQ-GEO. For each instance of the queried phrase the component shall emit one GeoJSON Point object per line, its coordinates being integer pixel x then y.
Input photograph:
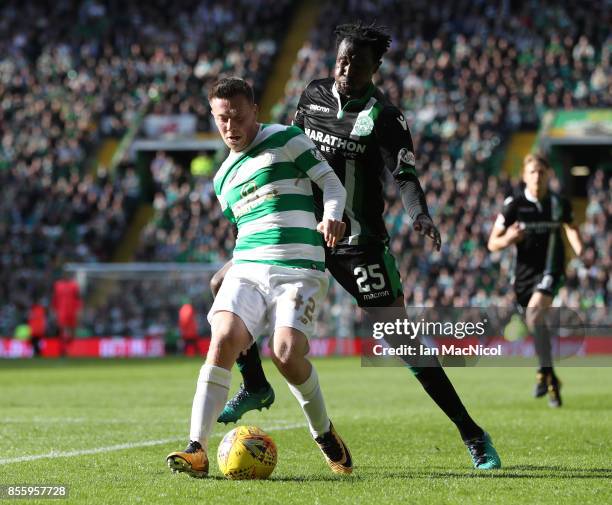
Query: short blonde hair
{"type": "Point", "coordinates": [538, 158]}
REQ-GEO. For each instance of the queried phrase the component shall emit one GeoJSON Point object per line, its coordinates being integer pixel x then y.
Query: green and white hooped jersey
{"type": "Point", "coordinates": [266, 191]}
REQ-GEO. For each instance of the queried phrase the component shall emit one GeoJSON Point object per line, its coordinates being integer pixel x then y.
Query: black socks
{"type": "Point", "coordinates": [253, 376]}
{"type": "Point", "coordinates": [435, 381]}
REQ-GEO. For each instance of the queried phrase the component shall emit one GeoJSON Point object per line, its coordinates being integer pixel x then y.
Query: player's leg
{"type": "Point", "coordinates": [297, 295]}
{"type": "Point", "coordinates": [429, 372]}
{"type": "Point", "coordinates": [255, 391]}
{"type": "Point", "coordinates": [229, 337]}
{"type": "Point", "coordinates": [235, 316]}
{"type": "Point", "coordinates": [536, 320]}
{"type": "Point", "coordinates": [253, 376]}
{"type": "Point", "coordinates": [289, 349]}
{"type": "Point", "coordinates": [370, 274]}
{"type": "Point", "coordinates": [438, 386]}
{"type": "Point", "coordinates": [536, 323]}
{"type": "Point", "coordinates": [523, 290]}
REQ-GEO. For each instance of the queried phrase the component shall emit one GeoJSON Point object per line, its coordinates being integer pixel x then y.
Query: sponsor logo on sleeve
{"type": "Point", "coordinates": [406, 157]}
{"type": "Point", "coordinates": [317, 154]}
{"type": "Point", "coordinates": [546, 283]}
{"type": "Point", "coordinates": [402, 121]}
{"type": "Point", "coordinates": [318, 108]}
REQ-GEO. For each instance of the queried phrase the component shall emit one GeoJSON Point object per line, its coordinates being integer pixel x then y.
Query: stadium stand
{"type": "Point", "coordinates": [74, 72]}
{"type": "Point", "coordinates": [465, 81]}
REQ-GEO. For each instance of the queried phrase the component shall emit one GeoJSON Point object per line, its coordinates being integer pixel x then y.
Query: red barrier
{"type": "Point", "coordinates": [150, 347]}
{"type": "Point", "coordinates": [101, 347]}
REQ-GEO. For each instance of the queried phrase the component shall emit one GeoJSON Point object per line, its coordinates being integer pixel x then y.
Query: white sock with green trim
{"type": "Point", "coordinates": [311, 400]}
{"type": "Point", "coordinates": [210, 397]}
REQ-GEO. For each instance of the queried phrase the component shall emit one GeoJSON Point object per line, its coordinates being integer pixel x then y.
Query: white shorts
{"type": "Point", "coordinates": [267, 297]}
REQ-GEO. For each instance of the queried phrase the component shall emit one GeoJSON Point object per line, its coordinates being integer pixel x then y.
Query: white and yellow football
{"type": "Point", "coordinates": [246, 452]}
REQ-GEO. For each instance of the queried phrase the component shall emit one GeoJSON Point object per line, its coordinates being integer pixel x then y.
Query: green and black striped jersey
{"type": "Point", "coordinates": [266, 191]}
{"type": "Point", "coordinates": [359, 140]}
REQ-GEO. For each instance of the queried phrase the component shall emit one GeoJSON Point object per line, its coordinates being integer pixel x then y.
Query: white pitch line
{"type": "Point", "coordinates": [120, 447]}
{"type": "Point", "coordinates": [110, 448]}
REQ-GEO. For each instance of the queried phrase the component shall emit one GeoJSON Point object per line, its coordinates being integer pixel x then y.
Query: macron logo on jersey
{"type": "Point", "coordinates": [318, 108]}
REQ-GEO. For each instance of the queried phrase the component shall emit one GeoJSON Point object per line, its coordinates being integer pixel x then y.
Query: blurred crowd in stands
{"type": "Point", "coordinates": [466, 82]}
{"type": "Point", "coordinates": [72, 73]}
{"type": "Point", "coordinates": [148, 305]}
{"type": "Point", "coordinates": [188, 224]}
{"type": "Point", "coordinates": [466, 74]}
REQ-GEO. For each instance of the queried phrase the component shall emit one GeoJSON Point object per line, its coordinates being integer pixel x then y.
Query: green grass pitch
{"type": "Point", "coordinates": [103, 428]}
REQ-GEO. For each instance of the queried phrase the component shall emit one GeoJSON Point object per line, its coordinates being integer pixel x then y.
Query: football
{"type": "Point", "coordinates": [246, 452]}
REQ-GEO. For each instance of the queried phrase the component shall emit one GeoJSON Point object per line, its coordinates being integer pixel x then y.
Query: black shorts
{"type": "Point", "coordinates": [368, 272]}
{"type": "Point", "coordinates": [549, 284]}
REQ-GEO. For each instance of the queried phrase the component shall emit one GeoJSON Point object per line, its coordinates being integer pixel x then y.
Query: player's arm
{"type": "Point", "coordinates": [334, 198]}
{"type": "Point", "coordinates": [501, 238]}
{"type": "Point", "coordinates": [398, 155]}
{"type": "Point", "coordinates": [300, 111]}
{"type": "Point", "coordinates": [312, 163]}
{"type": "Point", "coordinates": [573, 237]}
{"type": "Point", "coordinates": [506, 230]}
{"type": "Point", "coordinates": [571, 230]}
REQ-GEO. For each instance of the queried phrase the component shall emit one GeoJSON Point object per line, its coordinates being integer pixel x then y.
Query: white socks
{"type": "Point", "coordinates": [210, 397]}
{"type": "Point", "coordinates": [311, 400]}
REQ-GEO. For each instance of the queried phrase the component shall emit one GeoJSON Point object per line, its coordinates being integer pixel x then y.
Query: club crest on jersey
{"type": "Point", "coordinates": [247, 189]}
{"type": "Point", "coordinates": [363, 126]}
{"type": "Point", "coordinates": [317, 154]}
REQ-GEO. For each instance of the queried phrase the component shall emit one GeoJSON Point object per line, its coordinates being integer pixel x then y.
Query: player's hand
{"type": "Point", "coordinates": [424, 225]}
{"type": "Point", "coordinates": [515, 233]}
{"type": "Point", "coordinates": [332, 230]}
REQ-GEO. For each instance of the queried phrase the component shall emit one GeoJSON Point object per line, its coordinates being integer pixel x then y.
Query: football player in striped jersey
{"type": "Point", "coordinates": [277, 281]}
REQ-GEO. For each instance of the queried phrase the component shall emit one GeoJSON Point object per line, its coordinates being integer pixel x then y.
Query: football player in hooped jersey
{"type": "Point", "coordinates": [532, 219]}
{"type": "Point", "coordinates": [361, 134]}
{"type": "Point", "coordinates": [277, 281]}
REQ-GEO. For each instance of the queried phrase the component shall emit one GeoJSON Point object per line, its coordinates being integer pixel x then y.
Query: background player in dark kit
{"type": "Point", "coordinates": [532, 219]}
{"type": "Point", "coordinates": [361, 134]}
